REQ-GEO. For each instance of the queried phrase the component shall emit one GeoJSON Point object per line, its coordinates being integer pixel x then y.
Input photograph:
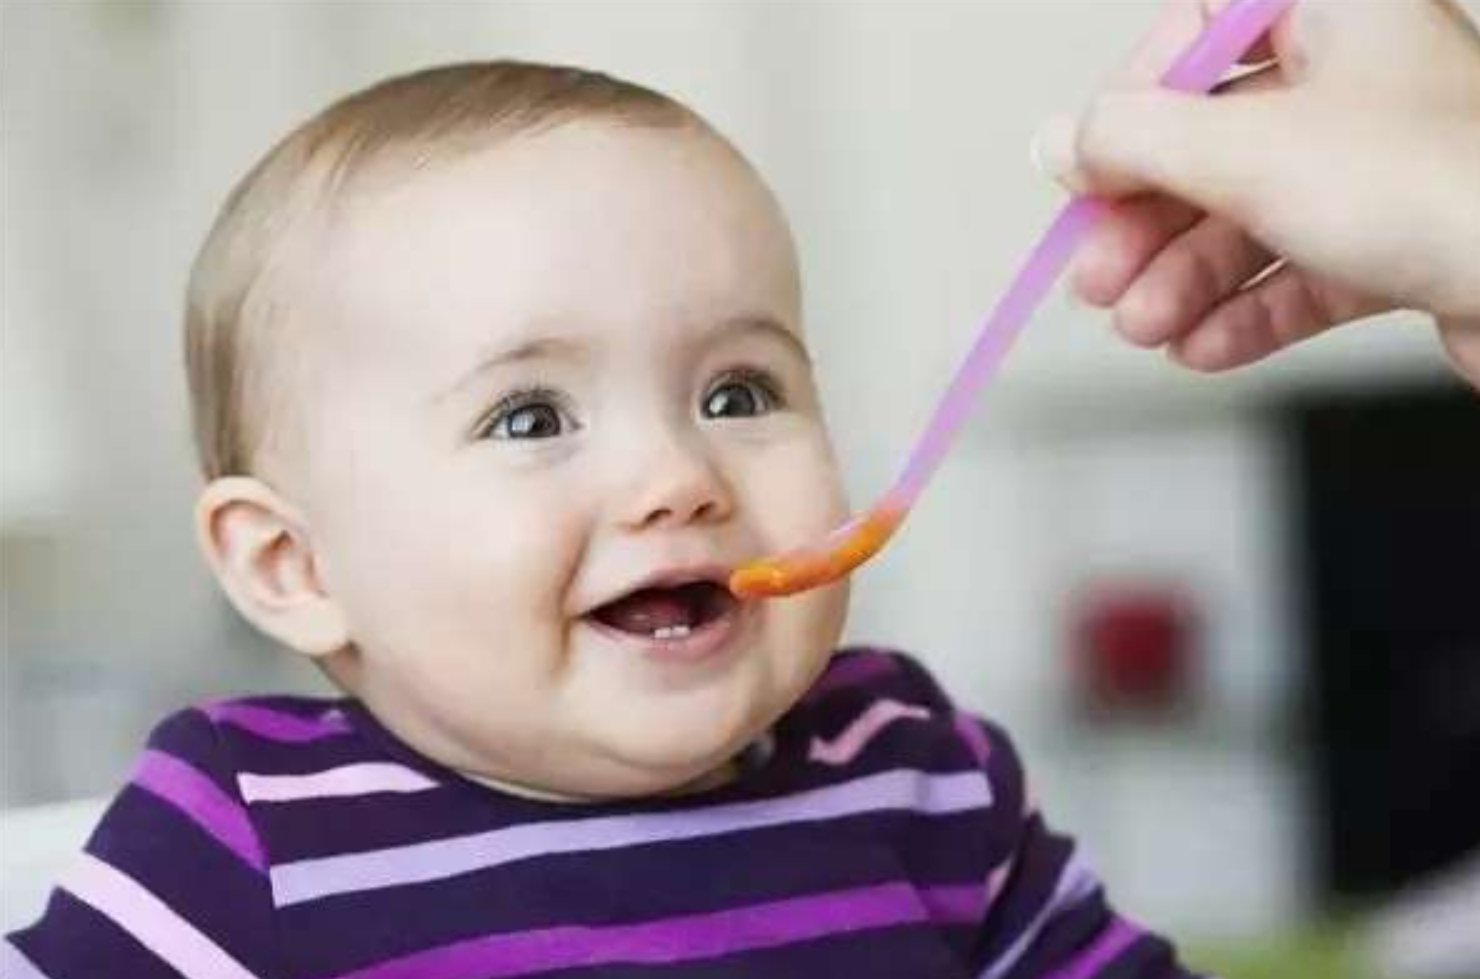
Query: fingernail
{"type": "Point", "coordinates": [1052, 149]}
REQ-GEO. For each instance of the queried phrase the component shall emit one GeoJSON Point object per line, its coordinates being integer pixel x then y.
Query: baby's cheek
{"type": "Point", "coordinates": [529, 553]}
{"type": "Point", "coordinates": [806, 630]}
{"type": "Point", "coordinates": [800, 492]}
{"type": "Point", "coordinates": [818, 504]}
{"type": "Point", "coordinates": [821, 500]}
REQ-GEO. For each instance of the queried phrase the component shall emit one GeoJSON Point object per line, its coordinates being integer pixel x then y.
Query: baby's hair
{"type": "Point", "coordinates": [236, 290]}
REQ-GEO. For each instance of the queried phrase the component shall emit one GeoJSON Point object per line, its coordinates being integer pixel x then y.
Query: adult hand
{"type": "Point", "coordinates": [1338, 179]}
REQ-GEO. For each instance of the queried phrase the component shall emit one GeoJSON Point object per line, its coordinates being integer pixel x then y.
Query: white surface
{"type": "Point", "coordinates": [1196, 827]}
{"type": "Point", "coordinates": [36, 846]}
{"type": "Point", "coordinates": [1193, 840]}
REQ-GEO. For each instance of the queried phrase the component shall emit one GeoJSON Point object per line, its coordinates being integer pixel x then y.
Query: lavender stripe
{"type": "Point", "coordinates": [1114, 940]}
{"type": "Point", "coordinates": [1075, 883]}
{"type": "Point", "coordinates": [277, 725]}
{"type": "Point", "coordinates": [851, 671]}
{"type": "Point", "coordinates": [678, 939]}
{"type": "Point", "coordinates": [150, 921]}
{"type": "Point", "coordinates": [15, 965]}
{"type": "Point", "coordinates": [907, 789]}
{"type": "Point", "coordinates": [203, 802]}
{"type": "Point", "coordinates": [364, 778]}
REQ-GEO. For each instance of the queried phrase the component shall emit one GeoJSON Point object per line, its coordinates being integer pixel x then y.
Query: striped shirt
{"type": "Point", "coordinates": [882, 834]}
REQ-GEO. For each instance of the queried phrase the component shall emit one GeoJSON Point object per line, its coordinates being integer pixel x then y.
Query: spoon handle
{"type": "Point", "coordinates": [1227, 36]}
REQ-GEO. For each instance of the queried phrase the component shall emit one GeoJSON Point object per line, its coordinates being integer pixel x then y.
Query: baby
{"type": "Point", "coordinates": [497, 370]}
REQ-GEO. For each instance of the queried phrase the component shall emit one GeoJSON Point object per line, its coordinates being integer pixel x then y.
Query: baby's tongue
{"type": "Point", "coordinates": [646, 612]}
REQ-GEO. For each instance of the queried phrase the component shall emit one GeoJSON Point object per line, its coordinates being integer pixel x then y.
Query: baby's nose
{"type": "Point", "coordinates": [679, 486]}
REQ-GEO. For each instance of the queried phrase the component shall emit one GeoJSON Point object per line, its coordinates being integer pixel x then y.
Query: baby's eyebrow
{"type": "Point", "coordinates": [539, 348]}
{"type": "Point", "coordinates": [574, 349]}
{"type": "Point", "coordinates": [763, 325]}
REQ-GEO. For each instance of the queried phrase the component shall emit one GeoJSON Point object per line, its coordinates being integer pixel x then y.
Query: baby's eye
{"type": "Point", "coordinates": [529, 422]}
{"type": "Point", "coordinates": [528, 415]}
{"type": "Point", "coordinates": [741, 395]}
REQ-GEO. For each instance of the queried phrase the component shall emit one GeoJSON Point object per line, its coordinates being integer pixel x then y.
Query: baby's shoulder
{"type": "Point", "coordinates": [857, 676]}
{"type": "Point", "coordinates": [279, 718]}
{"type": "Point", "coordinates": [227, 733]}
{"type": "Point", "coordinates": [887, 700]}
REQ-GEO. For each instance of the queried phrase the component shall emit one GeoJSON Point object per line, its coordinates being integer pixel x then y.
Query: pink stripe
{"type": "Point", "coordinates": [679, 939]}
{"type": "Point", "coordinates": [970, 730]}
{"type": "Point", "coordinates": [848, 671]}
{"type": "Point", "coordinates": [367, 778]}
{"type": "Point", "coordinates": [277, 725]}
{"type": "Point", "coordinates": [954, 903]}
{"type": "Point", "coordinates": [997, 878]}
{"type": "Point", "coordinates": [201, 801]}
{"type": "Point", "coordinates": [150, 921]}
{"type": "Point", "coordinates": [864, 728]}
{"type": "Point", "coordinates": [1112, 941]}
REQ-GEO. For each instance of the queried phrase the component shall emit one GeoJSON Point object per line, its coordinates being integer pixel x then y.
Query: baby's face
{"type": "Point", "coordinates": [553, 374]}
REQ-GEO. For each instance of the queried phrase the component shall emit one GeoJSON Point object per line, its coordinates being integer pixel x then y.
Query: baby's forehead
{"type": "Point", "coordinates": [603, 252]}
{"type": "Point", "coordinates": [576, 224]}
{"type": "Point", "coordinates": [584, 169]}
{"type": "Point", "coordinates": [261, 282]}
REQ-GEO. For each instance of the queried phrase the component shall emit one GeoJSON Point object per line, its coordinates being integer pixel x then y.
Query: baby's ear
{"type": "Point", "coordinates": [258, 545]}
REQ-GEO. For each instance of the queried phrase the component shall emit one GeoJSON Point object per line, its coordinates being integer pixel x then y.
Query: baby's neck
{"type": "Point", "coordinates": [709, 780]}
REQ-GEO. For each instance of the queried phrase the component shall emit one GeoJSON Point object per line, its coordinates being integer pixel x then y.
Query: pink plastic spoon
{"type": "Point", "coordinates": [1227, 36]}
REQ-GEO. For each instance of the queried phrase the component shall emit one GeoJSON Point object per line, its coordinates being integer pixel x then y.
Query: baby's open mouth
{"type": "Point", "coordinates": [667, 613]}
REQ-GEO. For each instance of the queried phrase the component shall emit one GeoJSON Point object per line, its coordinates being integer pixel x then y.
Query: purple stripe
{"type": "Point", "coordinates": [849, 671]}
{"type": "Point", "coordinates": [971, 732]}
{"type": "Point", "coordinates": [1114, 940]}
{"type": "Point", "coordinates": [677, 939]}
{"type": "Point", "coordinates": [203, 802]}
{"type": "Point", "coordinates": [277, 725]}
{"type": "Point", "coordinates": [954, 903]}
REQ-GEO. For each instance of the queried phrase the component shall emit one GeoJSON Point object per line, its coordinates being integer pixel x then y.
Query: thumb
{"type": "Point", "coordinates": [1212, 153]}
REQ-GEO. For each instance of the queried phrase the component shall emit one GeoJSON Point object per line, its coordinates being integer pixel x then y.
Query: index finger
{"type": "Point", "coordinates": [1177, 25]}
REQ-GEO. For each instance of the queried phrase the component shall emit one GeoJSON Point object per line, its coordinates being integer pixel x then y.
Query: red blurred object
{"type": "Point", "coordinates": [1134, 648]}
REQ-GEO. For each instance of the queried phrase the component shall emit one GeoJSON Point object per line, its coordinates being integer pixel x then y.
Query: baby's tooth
{"type": "Point", "coordinates": [671, 632]}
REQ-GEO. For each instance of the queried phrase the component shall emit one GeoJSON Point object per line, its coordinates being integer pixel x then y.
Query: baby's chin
{"type": "Point", "coordinates": [654, 761]}
{"type": "Point", "coordinates": [636, 767]}
{"type": "Point", "coordinates": [657, 749]}
{"type": "Point", "coordinates": [663, 735]}
{"type": "Point", "coordinates": [628, 761]}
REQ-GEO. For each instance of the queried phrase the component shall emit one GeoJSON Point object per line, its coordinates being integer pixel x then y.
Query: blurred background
{"type": "Point", "coordinates": [1228, 620]}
